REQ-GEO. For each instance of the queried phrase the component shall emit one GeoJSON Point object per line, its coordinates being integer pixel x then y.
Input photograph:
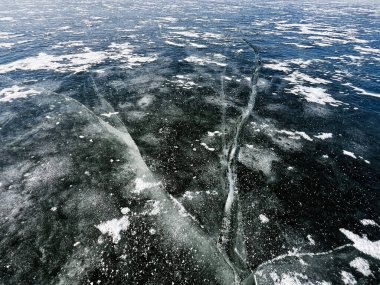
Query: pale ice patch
{"type": "Point", "coordinates": [197, 45]}
{"type": "Point", "coordinates": [297, 76]}
{"type": "Point", "coordinates": [184, 81]}
{"type": "Point", "coordinates": [212, 36]}
{"type": "Point", "coordinates": [16, 92]}
{"type": "Point", "coordinates": [141, 185]}
{"type": "Point", "coordinates": [293, 278]}
{"type": "Point", "coordinates": [174, 44]}
{"type": "Point", "coordinates": [315, 95]}
{"type": "Point", "coordinates": [361, 265]}
{"type": "Point", "coordinates": [363, 244]}
{"type": "Point", "coordinates": [299, 45]}
{"type": "Point", "coordinates": [190, 34]}
{"type": "Point", "coordinates": [114, 227]}
{"type": "Point", "coordinates": [60, 63]}
{"type": "Point", "coordinates": [280, 66]}
{"type": "Point", "coordinates": [349, 153]}
{"type": "Point", "coordinates": [6, 45]}
{"type": "Point", "coordinates": [324, 136]}
{"type": "Point", "coordinates": [7, 36]}
{"type": "Point", "coordinates": [348, 278]}
{"type": "Point", "coordinates": [206, 60]}
{"type": "Point", "coordinates": [7, 19]}
{"type": "Point", "coordinates": [367, 50]}
{"type": "Point", "coordinates": [362, 91]}
{"type": "Point", "coordinates": [263, 219]}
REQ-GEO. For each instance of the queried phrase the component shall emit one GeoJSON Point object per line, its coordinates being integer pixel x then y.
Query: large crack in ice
{"type": "Point", "coordinates": [231, 228]}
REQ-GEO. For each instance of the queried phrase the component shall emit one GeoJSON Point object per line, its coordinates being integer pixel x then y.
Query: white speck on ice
{"type": "Point", "coordinates": [114, 227]}
{"type": "Point", "coordinates": [53, 209]}
{"type": "Point", "coordinates": [263, 219]}
{"type": "Point", "coordinates": [361, 265]}
{"type": "Point", "coordinates": [152, 231]}
{"type": "Point", "coordinates": [363, 244]}
{"type": "Point", "coordinates": [77, 243]}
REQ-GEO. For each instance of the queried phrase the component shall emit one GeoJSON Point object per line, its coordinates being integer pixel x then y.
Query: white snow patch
{"type": "Point", "coordinates": [16, 92]}
{"type": "Point", "coordinates": [363, 244]}
{"type": "Point", "coordinates": [361, 265]}
{"type": "Point", "coordinates": [349, 153]}
{"type": "Point", "coordinates": [315, 95]}
{"type": "Point", "coordinates": [324, 136]}
{"type": "Point", "coordinates": [125, 210]}
{"type": "Point", "coordinates": [367, 222]}
{"type": "Point", "coordinates": [205, 60]}
{"type": "Point", "coordinates": [114, 227]}
{"type": "Point", "coordinates": [280, 66]}
{"type": "Point", "coordinates": [296, 135]}
{"type": "Point", "coordinates": [348, 278]}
